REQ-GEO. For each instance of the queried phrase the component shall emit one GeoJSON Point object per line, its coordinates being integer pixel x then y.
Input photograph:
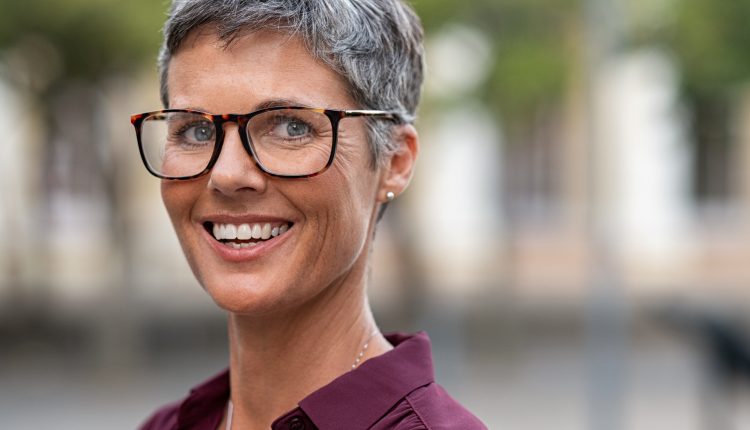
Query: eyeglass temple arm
{"type": "Point", "coordinates": [378, 113]}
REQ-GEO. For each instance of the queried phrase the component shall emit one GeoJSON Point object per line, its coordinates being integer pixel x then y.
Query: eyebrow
{"type": "Point", "coordinates": [280, 103]}
{"type": "Point", "coordinates": [272, 103]}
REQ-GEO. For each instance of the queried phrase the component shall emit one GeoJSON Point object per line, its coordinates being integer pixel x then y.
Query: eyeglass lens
{"type": "Point", "coordinates": [292, 142]}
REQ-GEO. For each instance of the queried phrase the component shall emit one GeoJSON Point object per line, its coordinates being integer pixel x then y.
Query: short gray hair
{"type": "Point", "coordinates": [375, 45]}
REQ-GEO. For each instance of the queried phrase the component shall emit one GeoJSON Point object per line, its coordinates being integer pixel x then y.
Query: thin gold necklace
{"type": "Point", "coordinates": [230, 405]}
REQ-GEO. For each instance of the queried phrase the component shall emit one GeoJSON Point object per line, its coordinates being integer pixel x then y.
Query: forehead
{"type": "Point", "coordinates": [252, 69]}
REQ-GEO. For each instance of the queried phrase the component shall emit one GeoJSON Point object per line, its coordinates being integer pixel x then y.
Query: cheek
{"type": "Point", "coordinates": [179, 198]}
{"type": "Point", "coordinates": [172, 198]}
{"type": "Point", "coordinates": [347, 207]}
{"type": "Point", "coordinates": [352, 183]}
{"type": "Point", "coordinates": [175, 195]}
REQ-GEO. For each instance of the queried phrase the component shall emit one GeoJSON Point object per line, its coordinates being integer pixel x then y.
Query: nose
{"type": "Point", "coordinates": [235, 170]}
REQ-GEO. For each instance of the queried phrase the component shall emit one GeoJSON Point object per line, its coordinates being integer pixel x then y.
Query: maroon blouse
{"type": "Point", "coordinates": [396, 390]}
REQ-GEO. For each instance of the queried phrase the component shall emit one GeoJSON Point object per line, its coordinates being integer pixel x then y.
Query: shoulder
{"type": "Point", "coordinates": [438, 410]}
{"type": "Point", "coordinates": [203, 408]}
{"type": "Point", "coordinates": [429, 408]}
{"type": "Point", "coordinates": [164, 418]}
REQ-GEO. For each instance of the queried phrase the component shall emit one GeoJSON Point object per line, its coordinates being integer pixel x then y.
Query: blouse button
{"type": "Point", "coordinates": [296, 424]}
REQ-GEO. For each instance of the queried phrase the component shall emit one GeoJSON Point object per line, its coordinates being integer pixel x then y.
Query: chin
{"type": "Point", "coordinates": [248, 296]}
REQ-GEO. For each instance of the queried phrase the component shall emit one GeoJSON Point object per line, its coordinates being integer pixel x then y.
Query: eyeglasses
{"type": "Point", "coordinates": [288, 141]}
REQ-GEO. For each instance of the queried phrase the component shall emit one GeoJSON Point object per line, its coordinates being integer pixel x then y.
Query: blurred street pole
{"type": "Point", "coordinates": [606, 321]}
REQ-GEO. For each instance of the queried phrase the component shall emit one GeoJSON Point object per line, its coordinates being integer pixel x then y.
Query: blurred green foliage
{"type": "Point", "coordinates": [711, 40]}
{"type": "Point", "coordinates": [534, 47]}
{"type": "Point", "coordinates": [92, 37]}
{"type": "Point", "coordinates": [530, 39]}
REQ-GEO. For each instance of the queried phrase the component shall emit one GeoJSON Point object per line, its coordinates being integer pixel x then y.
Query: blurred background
{"type": "Point", "coordinates": [576, 241]}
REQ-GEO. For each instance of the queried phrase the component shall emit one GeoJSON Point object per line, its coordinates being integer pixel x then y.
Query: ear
{"type": "Point", "coordinates": [399, 168]}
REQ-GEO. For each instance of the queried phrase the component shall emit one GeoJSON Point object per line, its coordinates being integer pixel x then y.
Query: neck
{"type": "Point", "coordinates": [277, 361]}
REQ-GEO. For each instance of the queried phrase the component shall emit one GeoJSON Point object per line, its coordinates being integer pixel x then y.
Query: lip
{"type": "Point", "coordinates": [233, 255]}
{"type": "Point", "coordinates": [242, 219]}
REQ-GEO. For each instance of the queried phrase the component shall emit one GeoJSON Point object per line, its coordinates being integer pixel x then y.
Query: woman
{"type": "Point", "coordinates": [276, 208]}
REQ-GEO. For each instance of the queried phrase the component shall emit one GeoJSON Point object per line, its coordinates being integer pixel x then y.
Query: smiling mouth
{"type": "Point", "coordinates": [239, 236]}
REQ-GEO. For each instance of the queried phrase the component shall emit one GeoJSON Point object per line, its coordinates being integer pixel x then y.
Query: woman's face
{"type": "Point", "coordinates": [329, 217]}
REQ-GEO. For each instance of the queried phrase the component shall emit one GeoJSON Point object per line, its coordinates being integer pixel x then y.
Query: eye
{"type": "Point", "coordinates": [289, 127]}
{"type": "Point", "coordinates": [199, 133]}
{"type": "Point", "coordinates": [296, 128]}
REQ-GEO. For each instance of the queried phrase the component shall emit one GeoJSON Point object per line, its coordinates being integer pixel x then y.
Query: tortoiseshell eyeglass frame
{"type": "Point", "coordinates": [334, 115]}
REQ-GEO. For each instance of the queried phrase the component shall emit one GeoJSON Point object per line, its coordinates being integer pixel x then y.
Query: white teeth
{"type": "Point", "coordinates": [244, 232]}
{"type": "Point", "coordinates": [235, 245]}
{"type": "Point", "coordinates": [257, 233]}
{"type": "Point", "coordinates": [266, 232]}
{"type": "Point", "coordinates": [230, 231]}
{"type": "Point", "coordinates": [262, 231]}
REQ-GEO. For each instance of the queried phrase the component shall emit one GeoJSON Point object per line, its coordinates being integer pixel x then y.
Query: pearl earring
{"type": "Point", "coordinates": [390, 196]}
